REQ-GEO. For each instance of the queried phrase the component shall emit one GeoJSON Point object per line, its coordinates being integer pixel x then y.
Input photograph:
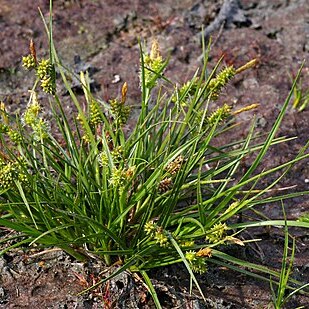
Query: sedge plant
{"type": "Point", "coordinates": [281, 294]}
{"type": "Point", "coordinates": [159, 195]}
{"type": "Point", "coordinates": [301, 97]}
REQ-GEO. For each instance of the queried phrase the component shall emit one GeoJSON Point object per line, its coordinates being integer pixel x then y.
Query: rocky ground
{"type": "Point", "coordinates": [102, 37]}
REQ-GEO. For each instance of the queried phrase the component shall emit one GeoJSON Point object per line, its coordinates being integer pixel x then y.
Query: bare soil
{"type": "Point", "coordinates": [102, 37]}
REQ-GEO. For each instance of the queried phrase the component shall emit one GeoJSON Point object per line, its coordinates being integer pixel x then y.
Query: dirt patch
{"type": "Point", "coordinates": [101, 36]}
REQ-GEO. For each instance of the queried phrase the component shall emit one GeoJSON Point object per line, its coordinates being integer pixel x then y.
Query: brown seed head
{"type": "Point", "coordinates": [204, 252]}
{"type": "Point", "coordinates": [247, 66]}
{"type": "Point", "coordinates": [155, 52]}
{"type": "Point", "coordinates": [124, 91]}
{"type": "Point", "coordinates": [32, 50]}
{"type": "Point", "coordinates": [246, 108]}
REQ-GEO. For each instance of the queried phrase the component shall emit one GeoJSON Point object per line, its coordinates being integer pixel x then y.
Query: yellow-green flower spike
{"type": "Point", "coordinates": [46, 73]}
{"type": "Point", "coordinates": [7, 175]}
{"type": "Point", "coordinates": [11, 172]}
{"type": "Point", "coordinates": [153, 63]}
{"type": "Point", "coordinates": [150, 227]}
{"type": "Point", "coordinates": [29, 62]}
{"type": "Point", "coordinates": [161, 238]}
{"type": "Point", "coordinates": [190, 256]}
{"type": "Point", "coordinates": [48, 85]}
{"type": "Point", "coordinates": [44, 68]}
{"type": "Point", "coordinates": [222, 113]}
{"type": "Point", "coordinates": [216, 84]}
{"type": "Point", "coordinates": [15, 136]}
{"type": "Point", "coordinates": [217, 233]}
{"type": "Point", "coordinates": [117, 154]}
{"type": "Point", "coordinates": [103, 159]}
{"type": "Point", "coordinates": [120, 112]}
{"type": "Point", "coordinates": [198, 264]}
{"type": "Point", "coordinates": [95, 115]}
{"type": "Point", "coordinates": [4, 128]}
{"type": "Point", "coordinates": [118, 178]}
{"type": "Point", "coordinates": [30, 116]}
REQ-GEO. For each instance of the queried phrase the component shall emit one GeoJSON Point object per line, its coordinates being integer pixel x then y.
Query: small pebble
{"type": "Point", "coordinates": [116, 79]}
{"type": "Point", "coordinates": [2, 293]}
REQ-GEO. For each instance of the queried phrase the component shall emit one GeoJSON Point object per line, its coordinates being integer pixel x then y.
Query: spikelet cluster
{"type": "Point", "coordinates": [172, 169]}
{"type": "Point", "coordinates": [47, 75]}
{"type": "Point", "coordinates": [11, 171]}
{"type": "Point", "coordinates": [121, 176]}
{"type": "Point", "coordinates": [217, 233]}
{"type": "Point", "coordinates": [32, 112]}
{"type": "Point", "coordinates": [216, 84]}
{"type": "Point", "coordinates": [117, 177]}
{"type": "Point", "coordinates": [103, 159]}
{"type": "Point", "coordinates": [150, 227]}
{"type": "Point", "coordinates": [165, 184]}
{"type": "Point", "coordinates": [4, 128]}
{"type": "Point", "coordinates": [156, 233]}
{"type": "Point", "coordinates": [120, 112]}
{"type": "Point", "coordinates": [95, 117]}
{"type": "Point", "coordinates": [29, 62]}
{"type": "Point", "coordinates": [153, 64]}
{"type": "Point", "coordinates": [14, 136]}
{"type": "Point", "coordinates": [174, 166]}
{"type": "Point", "coordinates": [117, 154]}
{"type": "Point", "coordinates": [45, 70]}
{"type": "Point", "coordinates": [219, 115]}
{"type": "Point", "coordinates": [197, 262]}
{"type": "Point", "coordinates": [31, 118]}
